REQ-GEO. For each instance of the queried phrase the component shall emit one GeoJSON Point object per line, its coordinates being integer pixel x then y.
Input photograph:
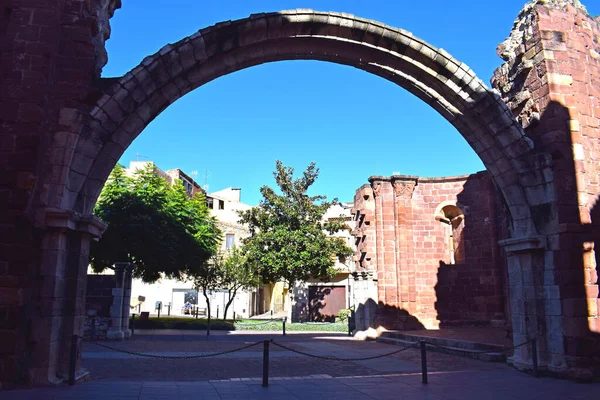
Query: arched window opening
{"type": "Point", "coordinates": [454, 220]}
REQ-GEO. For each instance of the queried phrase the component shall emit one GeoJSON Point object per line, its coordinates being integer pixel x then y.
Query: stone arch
{"type": "Point", "coordinates": [440, 213]}
{"type": "Point", "coordinates": [450, 213]}
{"type": "Point", "coordinates": [434, 76]}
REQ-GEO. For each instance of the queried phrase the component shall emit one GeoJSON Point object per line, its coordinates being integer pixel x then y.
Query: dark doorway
{"type": "Point", "coordinates": [325, 302]}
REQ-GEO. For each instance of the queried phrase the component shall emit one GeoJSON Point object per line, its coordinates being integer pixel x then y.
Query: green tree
{"type": "Point", "coordinates": [156, 226]}
{"type": "Point", "coordinates": [237, 273]}
{"type": "Point", "coordinates": [289, 239]}
{"type": "Point", "coordinates": [208, 278]}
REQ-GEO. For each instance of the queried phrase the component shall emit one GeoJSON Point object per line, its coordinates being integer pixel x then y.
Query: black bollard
{"type": "Point", "coordinates": [283, 324]}
{"type": "Point", "coordinates": [132, 324]}
{"type": "Point", "coordinates": [534, 359]}
{"type": "Point", "coordinates": [196, 308]}
{"type": "Point", "coordinates": [168, 310]}
{"type": "Point", "coordinates": [271, 313]}
{"type": "Point", "coordinates": [158, 312]}
{"type": "Point", "coordinates": [218, 312]}
{"type": "Point", "coordinates": [73, 359]}
{"type": "Point", "coordinates": [266, 364]}
{"type": "Point", "coordinates": [349, 326]}
{"type": "Point", "coordinates": [424, 361]}
{"type": "Point", "coordinates": [234, 316]}
{"type": "Point", "coordinates": [93, 330]}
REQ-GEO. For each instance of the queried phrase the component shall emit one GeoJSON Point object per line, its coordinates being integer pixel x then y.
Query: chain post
{"type": "Point", "coordinates": [534, 358]}
{"type": "Point", "coordinates": [424, 361]}
{"type": "Point", "coordinates": [73, 359]}
{"type": "Point", "coordinates": [349, 326]}
{"type": "Point", "coordinates": [93, 329]}
{"type": "Point", "coordinates": [265, 381]}
{"type": "Point", "coordinates": [284, 320]}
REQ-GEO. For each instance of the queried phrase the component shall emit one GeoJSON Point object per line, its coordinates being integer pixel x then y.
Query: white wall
{"type": "Point", "coordinates": [158, 291]}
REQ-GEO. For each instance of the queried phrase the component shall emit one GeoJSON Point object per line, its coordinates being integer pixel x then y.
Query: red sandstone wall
{"type": "Point", "coordinates": [52, 53]}
{"type": "Point", "coordinates": [410, 250]}
{"type": "Point", "coordinates": [551, 81]}
{"type": "Point", "coordinates": [471, 290]}
{"type": "Point", "coordinates": [572, 42]}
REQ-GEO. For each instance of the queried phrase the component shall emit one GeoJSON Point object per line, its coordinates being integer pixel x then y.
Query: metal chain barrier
{"type": "Point", "coordinates": [330, 358]}
{"type": "Point", "coordinates": [422, 344]}
{"type": "Point", "coordinates": [134, 353]}
{"type": "Point", "coordinates": [241, 324]}
{"type": "Point", "coordinates": [478, 351]}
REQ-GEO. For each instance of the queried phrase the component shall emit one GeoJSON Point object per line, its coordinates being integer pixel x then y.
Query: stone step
{"type": "Point", "coordinates": [478, 351]}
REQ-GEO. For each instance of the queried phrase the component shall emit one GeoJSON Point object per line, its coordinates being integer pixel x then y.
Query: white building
{"type": "Point", "coordinates": [224, 205]}
{"type": "Point", "coordinates": [309, 301]}
{"type": "Point", "coordinates": [172, 294]}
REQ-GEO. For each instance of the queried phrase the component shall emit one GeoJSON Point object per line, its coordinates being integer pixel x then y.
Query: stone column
{"type": "Point", "coordinates": [116, 309]}
{"type": "Point", "coordinates": [525, 259]}
{"type": "Point", "coordinates": [365, 297]}
{"type": "Point", "coordinates": [61, 302]}
{"type": "Point", "coordinates": [404, 187]}
{"type": "Point", "coordinates": [127, 299]}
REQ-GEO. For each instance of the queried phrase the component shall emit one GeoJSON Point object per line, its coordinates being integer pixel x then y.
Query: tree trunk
{"type": "Point", "coordinates": [229, 301]}
{"type": "Point", "coordinates": [207, 310]}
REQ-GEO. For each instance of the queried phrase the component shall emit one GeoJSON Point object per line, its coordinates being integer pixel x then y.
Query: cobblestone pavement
{"type": "Point", "coordinates": [293, 376]}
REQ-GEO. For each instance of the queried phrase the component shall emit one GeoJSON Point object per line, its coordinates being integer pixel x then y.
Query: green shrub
{"type": "Point", "coordinates": [343, 315]}
{"type": "Point", "coordinates": [183, 323]}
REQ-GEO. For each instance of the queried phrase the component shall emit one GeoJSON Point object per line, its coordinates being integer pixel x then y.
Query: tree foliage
{"type": "Point", "coordinates": [237, 273]}
{"type": "Point", "coordinates": [227, 270]}
{"type": "Point", "coordinates": [289, 239]}
{"type": "Point", "coordinates": [154, 225]}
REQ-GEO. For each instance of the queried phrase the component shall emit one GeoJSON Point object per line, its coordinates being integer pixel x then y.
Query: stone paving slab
{"type": "Point", "coordinates": [452, 385]}
{"type": "Point", "coordinates": [114, 366]}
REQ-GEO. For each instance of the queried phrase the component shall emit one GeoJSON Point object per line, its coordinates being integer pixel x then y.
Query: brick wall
{"type": "Point", "coordinates": [551, 81]}
{"type": "Point", "coordinates": [404, 235]}
{"type": "Point", "coordinates": [98, 301]}
{"type": "Point", "coordinates": [52, 54]}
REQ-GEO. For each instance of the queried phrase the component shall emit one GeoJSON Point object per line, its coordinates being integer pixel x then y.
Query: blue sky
{"type": "Point", "coordinates": [351, 123]}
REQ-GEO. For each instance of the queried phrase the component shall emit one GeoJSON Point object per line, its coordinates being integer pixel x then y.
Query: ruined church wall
{"type": "Point", "coordinates": [410, 250]}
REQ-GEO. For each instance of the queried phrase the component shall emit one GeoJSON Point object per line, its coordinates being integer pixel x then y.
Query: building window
{"type": "Point", "coordinates": [221, 205]}
{"type": "Point", "coordinates": [229, 241]}
{"type": "Point", "coordinates": [209, 202]}
{"type": "Point", "coordinates": [454, 219]}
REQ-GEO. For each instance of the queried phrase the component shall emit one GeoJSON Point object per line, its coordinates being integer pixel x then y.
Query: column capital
{"type": "Point", "coordinates": [404, 186]}
{"type": "Point", "coordinates": [56, 218]}
{"type": "Point", "coordinates": [523, 244]}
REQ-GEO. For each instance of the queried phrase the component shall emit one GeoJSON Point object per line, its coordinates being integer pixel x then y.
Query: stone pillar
{"type": "Point", "coordinates": [61, 301]}
{"type": "Point", "coordinates": [365, 299]}
{"type": "Point", "coordinates": [116, 309]}
{"type": "Point", "coordinates": [385, 231]}
{"type": "Point", "coordinates": [404, 187]}
{"type": "Point", "coordinates": [526, 267]}
{"type": "Point", "coordinates": [127, 299]}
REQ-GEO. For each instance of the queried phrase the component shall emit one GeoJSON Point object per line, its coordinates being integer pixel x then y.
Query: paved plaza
{"type": "Point", "coordinates": [238, 375]}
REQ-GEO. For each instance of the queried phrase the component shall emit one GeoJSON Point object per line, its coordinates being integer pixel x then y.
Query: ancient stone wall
{"type": "Point", "coordinates": [433, 245]}
{"type": "Point", "coordinates": [53, 162]}
{"type": "Point", "coordinates": [52, 53]}
{"type": "Point", "coordinates": [551, 82]}
{"type": "Point", "coordinates": [98, 302]}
